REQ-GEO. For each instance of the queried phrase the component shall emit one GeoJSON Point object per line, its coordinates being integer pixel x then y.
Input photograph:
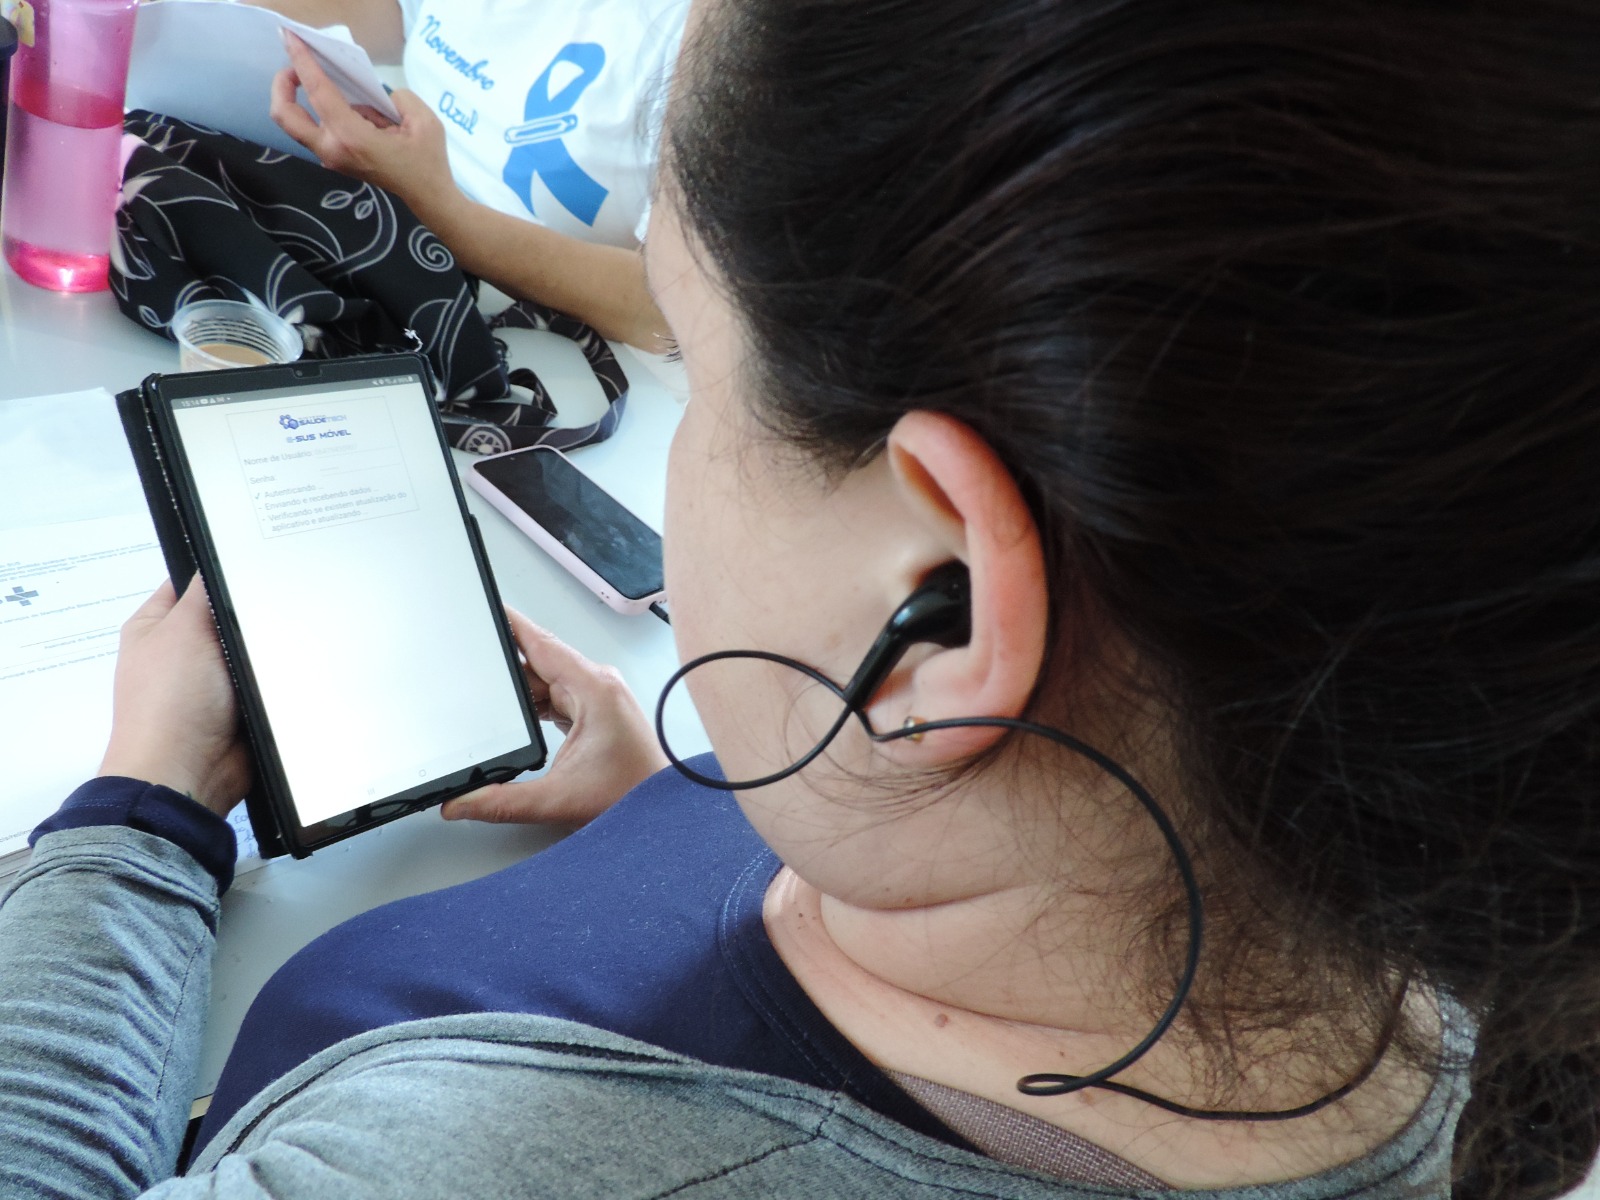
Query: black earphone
{"type": "Point", "coordinates": [939, 611]}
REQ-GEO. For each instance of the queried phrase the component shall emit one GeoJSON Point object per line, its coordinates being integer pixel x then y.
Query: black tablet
{"type": "Point", "coordinates": [375, 669]}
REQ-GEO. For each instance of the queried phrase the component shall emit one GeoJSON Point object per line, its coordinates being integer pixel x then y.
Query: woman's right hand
{"type": "Point", "coordinates": [609, 746]}
{"type": "Point", "coordinates": [410, 159]}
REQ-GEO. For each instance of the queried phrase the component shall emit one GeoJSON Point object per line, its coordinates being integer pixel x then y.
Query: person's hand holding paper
{"type": "Point", "coordinates": [485, 198]}
{"type": "Point", "coordinates": [406, 157]}
{"type": "Point", "coordinates": [213, 64]}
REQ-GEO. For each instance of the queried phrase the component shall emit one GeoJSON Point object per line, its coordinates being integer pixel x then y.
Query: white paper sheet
{"type": "Point", "coordinates": [65, 590]}
{"type": "Point", "coordinates": [78, 555]}
{"type": "Point", "coordinates": [63, 458]}
{"type": "Point", "coordinates": [213, 64]}
{"type": "Point", "coordinates": [249, 850]}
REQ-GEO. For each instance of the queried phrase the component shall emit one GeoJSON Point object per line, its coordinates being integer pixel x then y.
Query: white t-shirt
{"type": "Point", "coordinates": [553, 108]}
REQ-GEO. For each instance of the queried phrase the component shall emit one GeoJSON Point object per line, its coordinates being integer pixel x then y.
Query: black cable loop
{"type": "Point", "coordinates": [1041, 1084]}
{"type": "Point", "coordinates": [725, 785]}
{"type": "Point", "coordinates": [1030, 1085]}
{"type": "Point", "coordinates": [1046, 1084]}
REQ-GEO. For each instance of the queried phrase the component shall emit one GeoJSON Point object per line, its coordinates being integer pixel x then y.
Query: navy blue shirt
{"type": "Point", "coordinates": [646, 922]}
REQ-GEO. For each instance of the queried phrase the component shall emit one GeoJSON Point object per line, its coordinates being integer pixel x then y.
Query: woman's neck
{"type": "Point", "coordinates": [974, 994]}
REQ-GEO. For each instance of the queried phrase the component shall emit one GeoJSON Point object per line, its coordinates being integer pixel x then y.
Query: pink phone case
{"type": "Point", "coordinates": [574, 565]}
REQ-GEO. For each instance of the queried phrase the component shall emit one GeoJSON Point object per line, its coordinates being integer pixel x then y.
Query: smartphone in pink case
{"type": "Point", "coordinates": [577, 522]}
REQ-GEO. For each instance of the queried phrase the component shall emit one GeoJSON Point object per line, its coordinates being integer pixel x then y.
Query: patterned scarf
{"type": "Point", "coordinates": [208, 216]}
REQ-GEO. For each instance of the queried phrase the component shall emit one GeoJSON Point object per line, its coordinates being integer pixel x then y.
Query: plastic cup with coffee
{"type": "Point", "coordinates": [216, 334]}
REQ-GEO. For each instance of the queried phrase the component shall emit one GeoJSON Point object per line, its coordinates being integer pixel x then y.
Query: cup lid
{"type": "Point", "coordinates": [8, 39]}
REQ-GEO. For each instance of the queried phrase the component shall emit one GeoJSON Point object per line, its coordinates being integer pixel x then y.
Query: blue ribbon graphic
{"type": "Point", "coordinates": [539, 149]}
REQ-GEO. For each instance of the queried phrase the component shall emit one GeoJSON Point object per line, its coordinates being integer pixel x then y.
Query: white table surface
{"type": "Point", "coordinates": [58, 343]}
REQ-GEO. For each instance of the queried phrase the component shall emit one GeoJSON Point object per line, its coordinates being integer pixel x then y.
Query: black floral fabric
{"type": "Point", "coordinates": [207, 216]}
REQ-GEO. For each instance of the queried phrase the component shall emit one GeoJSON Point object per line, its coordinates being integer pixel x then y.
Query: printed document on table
{"type": "Point", "coordinates": [78, 555]}
{"type": "Point", "coordinates": [65, 590]}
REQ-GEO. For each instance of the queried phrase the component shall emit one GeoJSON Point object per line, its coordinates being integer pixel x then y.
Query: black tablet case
{"type": "Point", "coordinates": [133, 407]}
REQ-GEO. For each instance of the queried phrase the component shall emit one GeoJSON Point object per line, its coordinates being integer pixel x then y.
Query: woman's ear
{"type": "Point", "coordinates": [955, 485]}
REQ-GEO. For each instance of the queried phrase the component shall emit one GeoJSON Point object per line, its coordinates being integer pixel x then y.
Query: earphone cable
{"type": "Point", "coordinates": [1041, 1084]}
{"type": "Point", "coordinates": [1032, 1085]}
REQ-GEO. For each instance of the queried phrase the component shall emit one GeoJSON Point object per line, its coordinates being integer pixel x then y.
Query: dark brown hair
{"type": "Point", "coordinates": [1286, 316]}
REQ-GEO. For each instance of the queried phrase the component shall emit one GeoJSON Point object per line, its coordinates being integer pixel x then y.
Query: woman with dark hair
{"type": "Point", "coordinates": [1241, 354]}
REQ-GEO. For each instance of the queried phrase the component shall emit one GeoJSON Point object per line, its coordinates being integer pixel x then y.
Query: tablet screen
{"type": "Point", "coordinates": [336, 524]}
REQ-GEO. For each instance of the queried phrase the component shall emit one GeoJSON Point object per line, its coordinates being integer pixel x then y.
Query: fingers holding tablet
{"type": "Point", "coordinates": [175, 719]}
{"type": "Point", "coordinates": [609, 745]}
{"type": "Point", "coordinates": [321, 505]}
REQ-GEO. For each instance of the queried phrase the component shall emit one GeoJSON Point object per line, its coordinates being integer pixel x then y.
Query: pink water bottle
{"type": "Point", "coordinates": [63, 138]}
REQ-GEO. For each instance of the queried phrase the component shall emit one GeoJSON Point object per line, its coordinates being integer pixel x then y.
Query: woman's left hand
{"type": "Point", "coordinates": [174, 718]}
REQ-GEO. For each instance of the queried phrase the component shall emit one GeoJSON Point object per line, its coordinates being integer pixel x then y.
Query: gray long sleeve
{"type": "Point", "coordinates": [105, 959]}
{"type": "Point", "coordinates": [102, 1007]}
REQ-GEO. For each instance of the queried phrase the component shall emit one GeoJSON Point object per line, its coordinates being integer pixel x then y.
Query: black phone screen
{"type": "Point", "coordinates": [345, 560]}
{"type": "Point", "coordinates": [582, 516]}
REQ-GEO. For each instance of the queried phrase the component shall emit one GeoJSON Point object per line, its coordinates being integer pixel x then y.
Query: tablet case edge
{"type": "Point", "coordinates": [133, 408]}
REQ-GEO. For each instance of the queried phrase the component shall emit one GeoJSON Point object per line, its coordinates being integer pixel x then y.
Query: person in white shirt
{"type": "Point", "coordinates": [526, 142]}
